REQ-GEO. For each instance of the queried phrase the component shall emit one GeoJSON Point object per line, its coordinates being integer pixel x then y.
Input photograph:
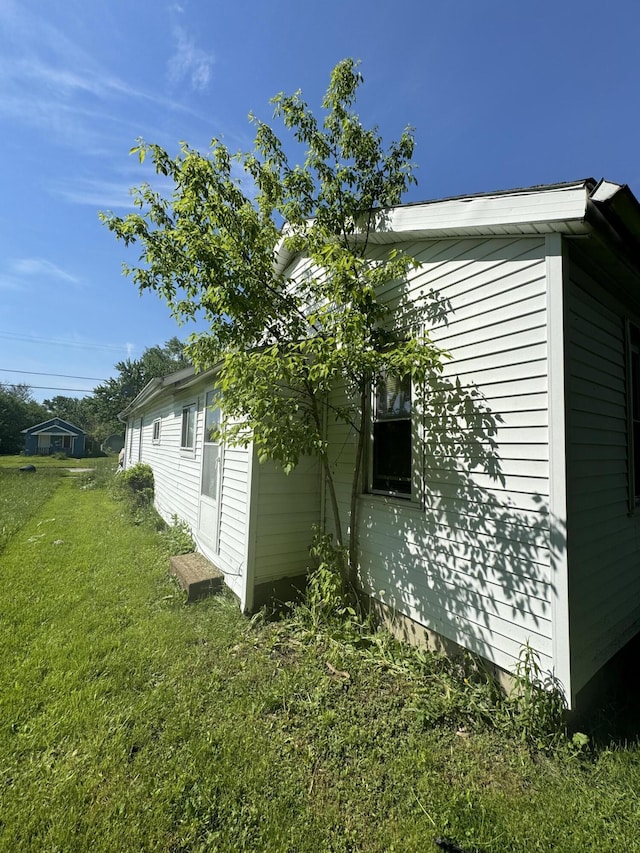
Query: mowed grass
{"type": "Point", "coordinates": [21, 495]}
{"type": "Point", "coordinates": [14, 463]}
{"type": "Point", "coordinates": [130, 721]}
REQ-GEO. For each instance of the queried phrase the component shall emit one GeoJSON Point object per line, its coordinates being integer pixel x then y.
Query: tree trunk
{"type": "Point", "coordinates": [355, 492]}
{"type": "Point", "coordinates": [328, 477]}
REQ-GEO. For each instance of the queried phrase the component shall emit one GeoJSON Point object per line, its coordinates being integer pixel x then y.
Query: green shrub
{"type": "Point", "coordinates": [136, 485]}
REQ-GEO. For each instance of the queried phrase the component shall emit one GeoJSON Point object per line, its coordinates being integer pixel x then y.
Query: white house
{"type": "Point", "coordinates": [543, 286]}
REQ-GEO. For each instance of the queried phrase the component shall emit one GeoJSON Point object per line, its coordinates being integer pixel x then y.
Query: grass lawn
{"type": "Point", "coordinates": [132, 722]}
{"type": "Point", "coordinates": [13, 463]}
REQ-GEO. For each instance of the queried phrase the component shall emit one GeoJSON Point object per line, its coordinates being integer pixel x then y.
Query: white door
{"type": "Point", "coordinates": [210, 483]}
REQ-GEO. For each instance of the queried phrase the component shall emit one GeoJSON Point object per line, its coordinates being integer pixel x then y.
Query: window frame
{"type": "Point", "coordinates": [156, 427]}
{"type": "Point", "coordinates": [373, 487]}
{"type": "Point", "coordinates": [188, 414]}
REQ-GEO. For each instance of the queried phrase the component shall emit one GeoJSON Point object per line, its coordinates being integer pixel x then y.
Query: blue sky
{"type": "Point", "coordinates": [501, 94]}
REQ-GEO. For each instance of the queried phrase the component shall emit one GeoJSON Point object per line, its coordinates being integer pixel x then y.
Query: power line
{"type": "Point", "coordinates": [61, 375]}
{"type": "Point", "coordinates": [36, 340]}
{"type": "Point", "coordinates": [49, 388]}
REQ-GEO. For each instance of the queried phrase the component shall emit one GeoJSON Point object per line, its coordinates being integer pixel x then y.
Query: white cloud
{"type": "Point", "coordinates": [102, 195]}
{"type": "Point", "coordinates": [189, 62]}
{"type": "Point", "coordinates": [41, 267]}
{"type": "Point", "coordinates": [50, 82]}
{"type": "Point", "coordinates": [109, 195]}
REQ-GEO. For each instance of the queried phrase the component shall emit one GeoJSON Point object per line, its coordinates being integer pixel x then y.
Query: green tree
{"type": "Point", "coordinates": [18, 411]}
{"type": "Point", "coordinates": [74, 410]}
{"type": "Point", "coordinates": [111, 397]}
{"type": "Point", "coordinates": [287, 345]}
{"type": "Point", "coordinates": [97, 413]}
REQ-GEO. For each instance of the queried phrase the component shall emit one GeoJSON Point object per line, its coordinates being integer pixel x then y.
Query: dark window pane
{"type": "Point", "coordinates": [392, 456]}
{"type": "Point", "coordinates": [188, 417]}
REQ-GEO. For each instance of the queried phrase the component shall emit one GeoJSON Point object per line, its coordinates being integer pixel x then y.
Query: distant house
{"type": "Point", "coordinates": [54, 436]}
{"type": "Point", "coordinates": [543, 286]}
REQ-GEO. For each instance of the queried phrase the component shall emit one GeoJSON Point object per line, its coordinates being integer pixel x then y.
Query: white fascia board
{"type": "Point", "coordinates": [53, 430]}
{"type": "Point", "coordinates": [481, 213]}
{"type": "Point", "coordinates": [605, 190]}
{"type": "Point", "coordinates": [143, 396]}
{"type": "Point", "coordinates": [554, 208]}
{"type": "Point", "coordinates": [174, 381]}
{"type": "Point", "coordinates": [53, 422]}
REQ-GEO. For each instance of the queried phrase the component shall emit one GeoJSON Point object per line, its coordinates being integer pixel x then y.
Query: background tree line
{"type": "Point", "coordinates": [97, 413]}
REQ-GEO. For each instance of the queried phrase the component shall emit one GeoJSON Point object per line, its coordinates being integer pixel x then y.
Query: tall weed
{"type": "Point", "coordinates": [536, 706]}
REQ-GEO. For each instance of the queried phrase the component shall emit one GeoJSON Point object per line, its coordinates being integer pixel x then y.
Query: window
{"type": "Point", "coordinates": [188, 426]}
{"type": "Point", "coordinates": [130, 428]}
{"type": "Point", "coordinates": [211, 449]}
{"type": "Point", "coordinates": [633, 402]}
{"type": "Point", "coordinates": [156, 431]}
{"type": "Point", "coordinates": [391, 437]}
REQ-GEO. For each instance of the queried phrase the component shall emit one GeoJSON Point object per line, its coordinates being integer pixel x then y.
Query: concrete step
{"type": "Point", "coordinates": [196, 575]}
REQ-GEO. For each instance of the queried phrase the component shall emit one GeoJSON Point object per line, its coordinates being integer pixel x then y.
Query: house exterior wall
{"type": "Point", "coordinates": [469, 556]}
{"type": "Point", "coordinates": [286, 509]}
{"type": "Point", "coordinates": [265, 516]}
{"type": "Point", "coordinates": [177, 475]}
{"type": "Point", "coordinates": [604, 589]}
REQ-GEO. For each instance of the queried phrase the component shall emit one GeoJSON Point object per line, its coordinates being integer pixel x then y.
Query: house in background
{"type": "Point", "coordinates": [54, 436]}
{"type": "Point", "coordinates": [543, 286]}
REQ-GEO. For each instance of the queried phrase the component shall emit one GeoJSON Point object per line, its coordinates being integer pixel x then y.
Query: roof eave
{"type": "Point", "coordinates": [543, 209]}
{"type": "Point", "coordinates": [175, 381]}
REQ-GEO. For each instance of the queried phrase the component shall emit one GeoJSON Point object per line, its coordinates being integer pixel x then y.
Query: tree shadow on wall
{"type": "Point", "coordinates": [474, 559]}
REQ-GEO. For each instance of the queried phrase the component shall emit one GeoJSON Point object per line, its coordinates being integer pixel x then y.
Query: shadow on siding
{"type": "Point", "coordinates": [473, 565]}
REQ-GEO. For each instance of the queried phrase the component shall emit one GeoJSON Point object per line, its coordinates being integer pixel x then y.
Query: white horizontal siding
{"type": "Point", "coordinates": [233, 510]}
{"type": "Point", "coordinates": [286, 510]}
{"type": "Point", "coordinates": [470, 556]}
{"type": "Point", "coordinates": [177, 474]}
{"type": "Point", "coordinates": [605, 542]}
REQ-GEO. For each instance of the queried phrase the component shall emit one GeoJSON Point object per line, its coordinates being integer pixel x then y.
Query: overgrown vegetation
{"type": "Point", "coordinates": [135, 488]}
{"type": "Point", "coordinates": [533, 712]}
{"type": "Point", "coordinates": [295, 350]}
{"type": "Point", "coordinates": [136, 484]}
{"type": "Point", "coordinates": [131, 722]}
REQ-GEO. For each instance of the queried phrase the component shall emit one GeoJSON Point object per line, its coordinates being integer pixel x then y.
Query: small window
{"type": "Point", "coordinates": [391, 437]}
{"type": "Point", "coordinates": [188, 426]}
{"type": "Point", "coordinates": [130, 428]}
{"type": "Point", "coordinates": [156, 431]}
